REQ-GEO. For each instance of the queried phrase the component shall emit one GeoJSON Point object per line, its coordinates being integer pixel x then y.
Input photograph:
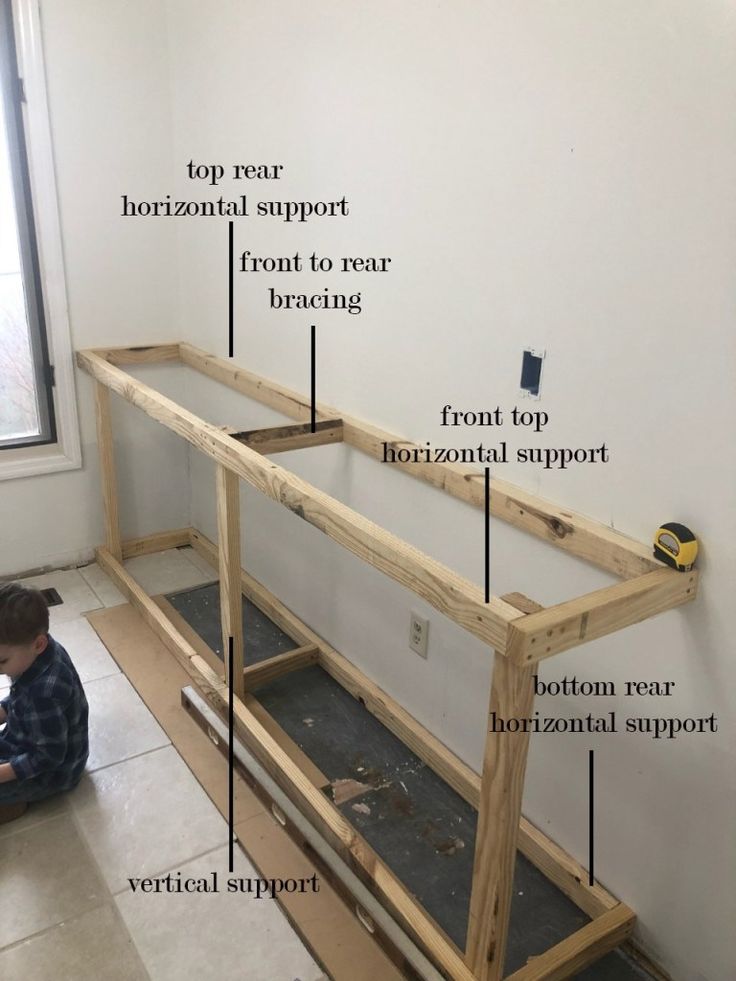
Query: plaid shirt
{"type": "Point", "coordinates": [45, 739]}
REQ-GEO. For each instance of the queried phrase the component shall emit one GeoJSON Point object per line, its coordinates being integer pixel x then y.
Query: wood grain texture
{"type": "Point", "coordinates": [574, 533]}
{"type": "Point", "coordinates": [310, 769]}
{"type": "Point", "coordinates": [445, 590]}
{"type": "Point", "coordinates": [280, 439]}
{"type": "Point", "coordinates": [189, 634]}
{"type": "Point", "coordinates": [385, 708]}
{"type": "Point", "coordinates": [326, 923]}
{"type": "Point", "coordinates": [276, 667]}
{"type": "Point", "coordinates": [231, 603]}
{"type": "Point", "coordinates": [313, 803]}
{"type": "Point", "coordinates": [559, 867]}
{"type": "Point", "coordinates": [159, 542]}
{"type": "Point", "coordinates": [154, 617]}
{"type": "Point", "coordinates": [582, 948]}
{"type": "Point", "coordinates": [254, 675]}
{"type": "Point", "coordinates": [499, 813]}
{"type": "Point", "coordinates": [311, 800]}
{"type": "Point", "coordinates": [275, 396]}
{"type": "Point", "coordinates": [558, 628]}
{"type": "Point", "coordinates": [267, 668]}
{"type": "Point", "coordinates": [107, 470]}
{"type": "Point", "coordinates": [144, 354]}
{"type": "Point", "coordinates": [336, 829]}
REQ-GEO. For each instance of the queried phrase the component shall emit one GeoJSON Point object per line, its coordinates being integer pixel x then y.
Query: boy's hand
{"type": "Point", "coordinates": [7, 773]}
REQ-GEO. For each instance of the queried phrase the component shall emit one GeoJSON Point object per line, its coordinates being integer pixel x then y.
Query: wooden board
{"type": "Point", "coordinates": [207, 654]}
{"type": "Point", "coordinates": [228, 530]}
{"type": "Point", "coordinates": [560, 867]}
{"type": "Point", "coordinates": [558, 628]}
{"type": "Point", "coordinates": [591, 540]}
{"type": "Point", "coordinates": [107, 471]}
{"type": "Point", "coordinates": [280, 439]}
{"type": "Point", "coordinates": [323, 814]}
{"type": "Point", "coordinates": [159, 542]}
{"type": "Point", "coordinates": [496, 622]}
{"type": "Point", "coordinates": [519, 639]}
{"type": "Point", "coordinates": [189, 634]}
{"type": "Point", "coordinates": [499, 812]}
{"type": "Point", "coordinates": [144, 354]}
{"type": "Point", "coordinates": [583, 948]}
{"type": "Point", "coordinates": [334, 827]}
{"type": "Point", "coordinates": [450, 593]}
{"type": "Point", "coordinates": [328, 927]}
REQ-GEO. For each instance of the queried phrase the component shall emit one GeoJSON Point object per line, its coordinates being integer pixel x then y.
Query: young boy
{"type": "Point", "coordinates": [44, 743]}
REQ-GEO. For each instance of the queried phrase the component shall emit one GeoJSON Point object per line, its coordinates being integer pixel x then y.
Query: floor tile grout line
{"type": "Point", "coordinates": [189, 559]}
{"type": "Point", "coordinates": [92, 588]}
{"type": "Point", "coordinates": [71, 812]}
{"type": "Point", "coordinates": [102, 677]}
{"type": "Point", "coordinates": [174, 868]}
{"type": "Point", "coordinates": [110, 895]}
{"type": "Point", "coordinates": [106, 899]}
{"type": "Point", "coordinates": [135, 756]}
{"type": "Point", "coordinates": [33, 824]}
{"type": "Point", "coordinates": [245, 856]}
{"type": "Point", "coordinates": [124, 926]}
{"type": "Point", "coordinates": [110, 902]}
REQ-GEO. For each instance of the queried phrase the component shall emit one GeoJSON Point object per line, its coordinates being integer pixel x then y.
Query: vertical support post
{"type": "Point", "coordinates": [107, 471]}
{"type": "Point", "coordinates": [502, 785]}
{"type": "Point", "coordinates": [228, 527]}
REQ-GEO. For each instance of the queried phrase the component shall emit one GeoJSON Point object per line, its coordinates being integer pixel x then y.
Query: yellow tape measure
{"type": "Point", "coordinates": [676, 545]}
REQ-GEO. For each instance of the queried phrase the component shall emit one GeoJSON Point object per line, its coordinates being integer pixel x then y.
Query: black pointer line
{"type": "Point", "coordinates": [488, 534]}
{"type": "Point", "coordinates": [314, 376]}
{"type": "Point", "coordinates": [231, 757]}
{"type": "Point", "coordinates": [231, 292]}
{"type": "Point", "coordinates": [591, 817]}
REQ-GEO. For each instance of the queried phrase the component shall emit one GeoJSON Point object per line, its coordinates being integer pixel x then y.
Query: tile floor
{"type": "Point", "coordinates": [66, 910]}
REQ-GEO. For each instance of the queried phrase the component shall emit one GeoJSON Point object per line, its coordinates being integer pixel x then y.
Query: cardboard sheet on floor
{"type": "Point", "coordinates": [327, 926]}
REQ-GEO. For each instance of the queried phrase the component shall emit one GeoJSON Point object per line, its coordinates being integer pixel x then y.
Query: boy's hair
{"type": "Point", "coordinates": [24, 614]}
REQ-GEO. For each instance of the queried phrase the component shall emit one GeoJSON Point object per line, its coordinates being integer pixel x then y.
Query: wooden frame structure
{"type": "Point", "coordinates": [519, 631]}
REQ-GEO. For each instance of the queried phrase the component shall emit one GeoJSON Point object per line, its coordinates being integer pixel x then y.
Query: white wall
{"type": "Point", "coordinates": [550, 174]}
{"type": "Point", "coordinates": [107, 74]}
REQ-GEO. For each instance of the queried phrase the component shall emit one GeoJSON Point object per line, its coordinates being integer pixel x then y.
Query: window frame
{"type": "Point", "coordinates": [65, 452]}
{"type": "Point", "coordinates": [13, 98]}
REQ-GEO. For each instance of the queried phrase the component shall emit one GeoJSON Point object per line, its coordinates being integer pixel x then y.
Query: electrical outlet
{"type": "Point", "coordinates": [418, 631]}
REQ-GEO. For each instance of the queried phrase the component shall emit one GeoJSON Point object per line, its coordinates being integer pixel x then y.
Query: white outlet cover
{"type": "Point", "coordinates": [418, 634]}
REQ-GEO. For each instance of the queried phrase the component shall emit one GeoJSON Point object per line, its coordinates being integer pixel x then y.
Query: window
{"type": "Point", "coordinates": [26, 379]}
{"type": "Point", "coordinates": [38, 423]}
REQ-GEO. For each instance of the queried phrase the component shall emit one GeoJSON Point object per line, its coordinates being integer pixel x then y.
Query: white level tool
{"type": "Point", "coordinates": [365, 899]}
